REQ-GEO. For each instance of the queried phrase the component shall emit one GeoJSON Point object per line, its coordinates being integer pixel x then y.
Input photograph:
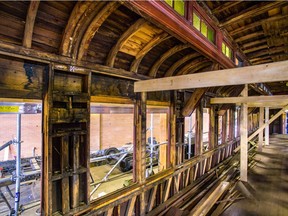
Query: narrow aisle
{"type": "Point", "coordinates": [269, 178]}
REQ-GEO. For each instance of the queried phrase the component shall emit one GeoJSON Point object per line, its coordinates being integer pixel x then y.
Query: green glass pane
{"type": "Point", "coordinates": [179, 7]}
{"type": "Point", "coordinates": [230, 54]}
{"type": "Point", "coordinates": [223, 48]}
{"type": "Point", "coordinates": [204, 29]}
{"type": "Point", "coordinates": [227, 51]}
{"type": "Point", "coordinates": [196, 21]}
{"type": "Point", "coordinates": [170, 2]}
{"type": "Point", "coordinates": [211, 35]}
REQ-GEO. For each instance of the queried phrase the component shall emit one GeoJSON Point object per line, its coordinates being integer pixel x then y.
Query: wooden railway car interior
{"type": "Point", "coordinates": [213, 76]}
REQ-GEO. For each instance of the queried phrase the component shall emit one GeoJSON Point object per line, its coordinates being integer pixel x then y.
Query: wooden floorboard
{"type": "Point", "coordinates": [269, 179]}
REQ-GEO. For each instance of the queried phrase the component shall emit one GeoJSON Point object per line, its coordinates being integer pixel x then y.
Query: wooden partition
{"type": "Point", "coordinates": [66, 143]}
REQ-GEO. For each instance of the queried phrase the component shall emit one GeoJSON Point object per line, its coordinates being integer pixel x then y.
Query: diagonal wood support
{"type": "Point", "coordinates": [193, 101]}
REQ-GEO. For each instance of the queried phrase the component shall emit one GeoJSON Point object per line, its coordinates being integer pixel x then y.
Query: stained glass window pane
{"type": "Point", "coordinates": [223, 48]}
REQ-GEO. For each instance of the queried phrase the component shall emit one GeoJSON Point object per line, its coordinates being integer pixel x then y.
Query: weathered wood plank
{"type": "Point", "coordinates": [64, 168]}
{"type": "Point", "coordinates": [75, 178]}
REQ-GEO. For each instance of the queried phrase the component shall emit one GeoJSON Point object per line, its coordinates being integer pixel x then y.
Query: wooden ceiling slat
{"type": "Point", "coordinates": [249, 36]}
{"type": "Point", "coordinates": [225, 6]}
{"type": "Point", "coordinates": [188, 67]}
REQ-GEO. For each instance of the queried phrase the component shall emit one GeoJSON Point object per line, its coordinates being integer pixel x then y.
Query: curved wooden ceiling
{"type": "Point", "coordinates": [110, 34]}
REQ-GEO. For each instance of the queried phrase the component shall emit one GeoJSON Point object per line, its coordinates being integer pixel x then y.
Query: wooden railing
{"type": "Point", "coordinates": [157, 190]}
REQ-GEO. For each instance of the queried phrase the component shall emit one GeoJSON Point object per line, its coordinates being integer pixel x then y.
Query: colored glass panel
{"type": "Point", "coordinates": [179, 7]}
{"type": "Point", "coordinates": [196, 21]}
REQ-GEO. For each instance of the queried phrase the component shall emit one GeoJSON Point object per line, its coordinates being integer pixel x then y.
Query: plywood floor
{"type": "Point", "coordinates": [269, 179]}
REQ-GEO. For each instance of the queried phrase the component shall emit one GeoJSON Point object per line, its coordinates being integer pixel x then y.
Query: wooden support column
{"type": "Point", "coordinates": [163, 148]}
{"type": "Point", "coordinates": [199, 130]}
{"type": "Point", "coordinates": [75, 178]}
{"type": "Point", "coordinates": [224, 127]}
{"type": "Point", "coordinates": [172, 131]}
{"type": "Point", "coordinates": [212, 130]}
{"type": "Point", "coordinates": [261, 122]}
{"type": "Point", "coordinates": [232, 124]}
{"type": "Point", "coordinates": [267, 127]}
{"type": "Point", "coordinates": [243, 138]}
{"type": "Point", "coordinates": [140, 137]}
{"type": "Point", "coordinates": [64, 169]}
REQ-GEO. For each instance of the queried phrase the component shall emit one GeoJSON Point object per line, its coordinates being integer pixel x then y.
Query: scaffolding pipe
{"type": "Point", "coordinates": [18, 165]}
{"type": "Point", "coordinates": [189, 137]}
{"type": "Point", "coordinates": [151, 144]}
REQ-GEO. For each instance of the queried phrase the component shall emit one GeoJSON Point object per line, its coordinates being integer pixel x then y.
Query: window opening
{"type": "Point", "coordinates": [177, 5]}
{"type": "Point", "coordinates": [206, 30]}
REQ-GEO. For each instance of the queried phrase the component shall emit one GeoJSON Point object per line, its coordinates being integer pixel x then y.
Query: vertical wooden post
{"type": "Point", "coordinates": [224, 127]}
{"type": "Point", "coordinates": [212, 130]}
{"type": "Point", "coordinates": [232, 123]}
{"type": "Point", "coordinates": [140, 137]}
{"type": "Point", "coordinates": [64, 169]}
{"type": "Point", "coordinates": [75, 178]}
{"type": "Point", "coordinates": [267, 127]}
{"type": "Point", "coordinates": [163, 148]}
{"type": "Point", "coordinates": [244, 138]}
{"type": "Point", "coordinates": [261, 122]}
{"type": "Point", "coordinates": [172, 131]}
{"type": "Point", "coordinates": [199, 130]}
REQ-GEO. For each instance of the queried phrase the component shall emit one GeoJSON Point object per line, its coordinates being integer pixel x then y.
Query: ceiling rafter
{"type": "Point", "coordinates": [79, 9]}
{"type": "Point", "coordinates": [29, 24]}
{"type": "Point", "coordinates": [94, 26]}
{"type": "Point", "coordinates": [249, 36]}
{"type": "Point", "coordinates": [181, 61]}
{"type": "Point", "coordinates": [123, 39]}
{"type": "Point", "coordinates": [150, 45]}
{"type": "Point", "coordinates": [257, 23]}
{"type": "Point", "coordinates": [267, 51]}
{"type": "Point", "coordinates": [225, 6]}
{"type": "Point", "coordinates": [250, 12]}
{"type": "Point", "coordinates": [253, 43]}
{"type": "Point", "coordinates": [153, 71]}
{"type": "Point", "coordinates": [188, 67]}
{"type": "Point", "coordinates": [265, 46]}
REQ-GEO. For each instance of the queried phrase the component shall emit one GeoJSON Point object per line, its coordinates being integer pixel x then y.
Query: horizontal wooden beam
{"type": "Point", "coordinates": [12, 50]}
{"type": "Point", "coordinates": [272, 72]}
{"type": "Point", "coordinates": [267, 123]}
{"type": "Point", "coordinates": [254, 101]}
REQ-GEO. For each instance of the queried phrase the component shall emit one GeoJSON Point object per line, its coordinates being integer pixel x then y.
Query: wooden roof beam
{"type": "Point", "coordinates": [249, 36]}
{"type": "Point", "coordinates": [193, 101]}
{"type": "Point", "coordinates": [29, 24]}
{"type": "Point", "coordinates": [272, 72]}
{"type": "Point", "coordinates": [257, 23]}
{"type": "Point", "coordinates": [153, 71]}
{"type": "Point", "coordinates": [150, 45]}
{"type": "Point", "coordinates": [122, 40]}
{"type": "Point", "coordinates": [265, 46]}
{"type": "Point", "coordinates": [94, 26]}
{"type": "Point", "coordinates": [225, 6]}
{"type": "Point", "coordinates": [180, 62]}
{"type": "Point", "coordinates": [250, 12]}
{"type": "Point", "coordinates": [78, 11]}
{"type": "Point", "coordinates": [193, 66]}
{"type": "Point", "coordinates": [267, 51]}
{"type": "Point", "coordinates": [253, 43]}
